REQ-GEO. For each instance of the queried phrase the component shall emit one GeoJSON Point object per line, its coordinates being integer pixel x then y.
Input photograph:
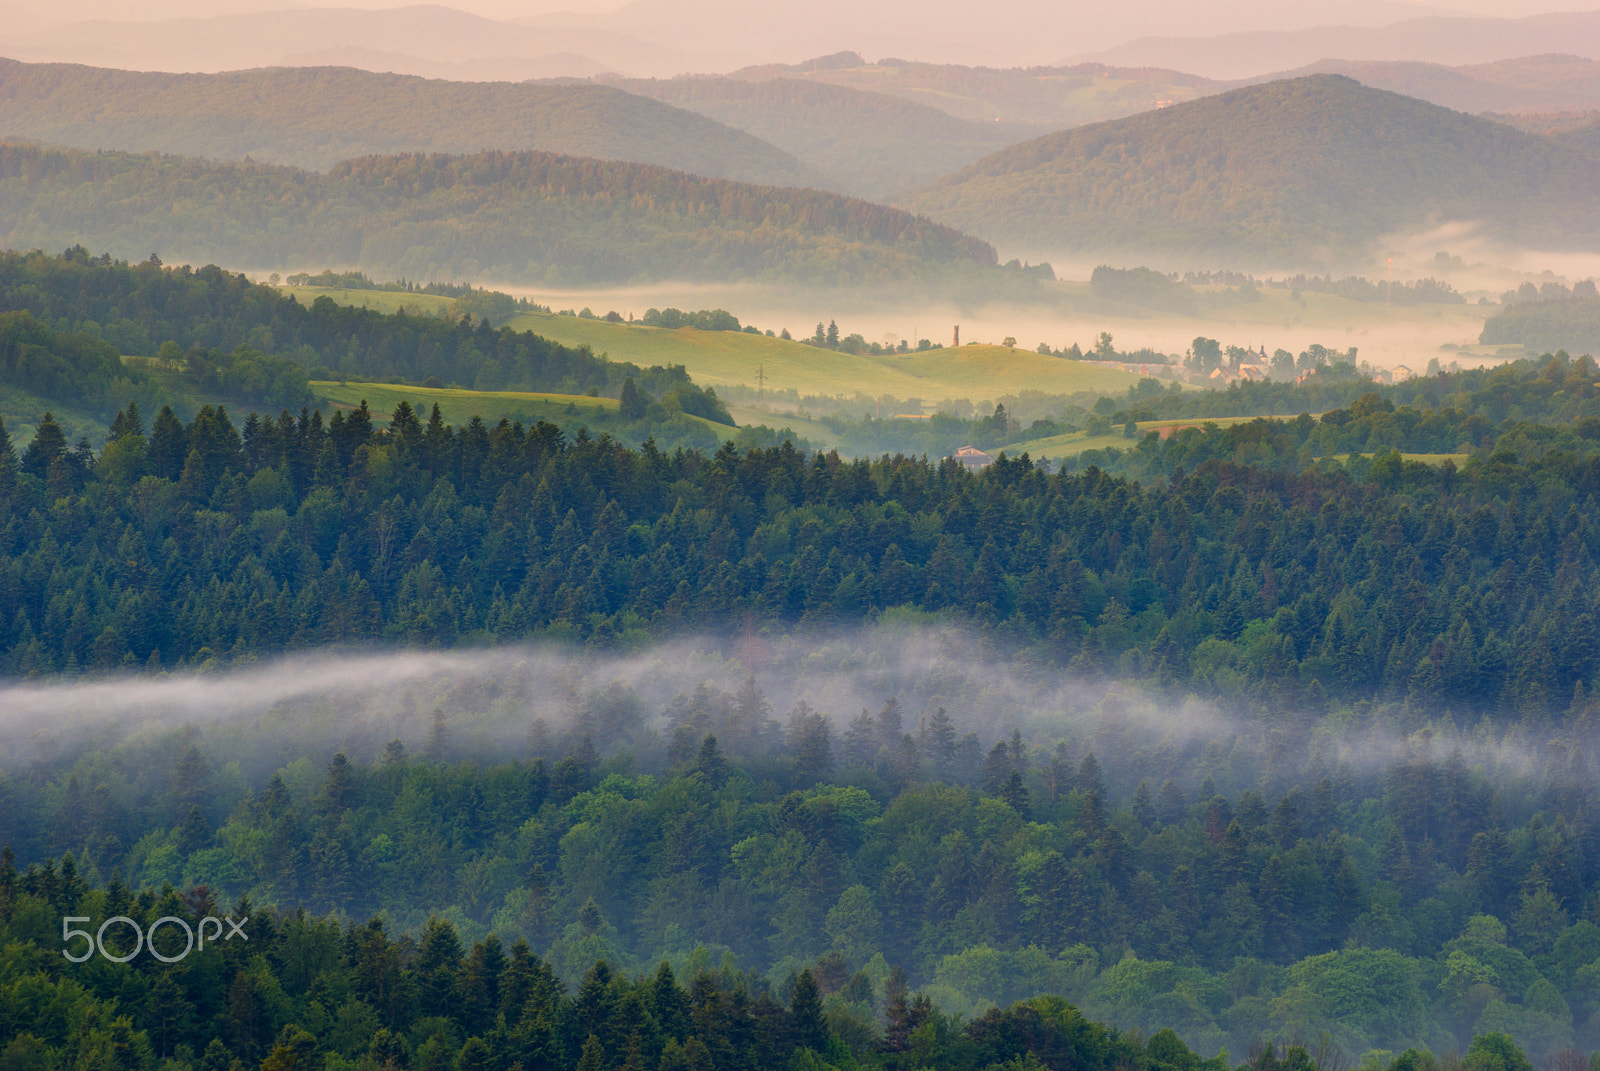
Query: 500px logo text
{"type": "Point", "coordinates": [97, 941]}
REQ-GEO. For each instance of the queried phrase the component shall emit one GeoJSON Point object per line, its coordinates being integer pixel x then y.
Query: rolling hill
{"type": "Point", "coordinates": [1036, 99]}
{"type": "Point", "coordinates": [312, 117]}
{"type": "Point", "coordinates": [1301, 172]}
{"type": "Point", "coordinates": [1576, 129]}
{"type": "Point", "coordinates": [867, 143]}
{"type": "Point", "coordinates": [510, 217]}
{"type": "Point", "coordinates": [728, 358]}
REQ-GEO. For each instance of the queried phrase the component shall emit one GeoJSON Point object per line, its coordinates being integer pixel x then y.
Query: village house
{"type": "Point", "coordinates": [973, 459]}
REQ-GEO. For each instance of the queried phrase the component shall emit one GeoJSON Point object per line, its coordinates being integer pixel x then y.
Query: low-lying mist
{"type": "Point", "coordinates": [490, 705]}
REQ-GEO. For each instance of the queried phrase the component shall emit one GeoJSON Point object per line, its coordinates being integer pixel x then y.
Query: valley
{"type": "Point", "coordinates": [1037, 538]}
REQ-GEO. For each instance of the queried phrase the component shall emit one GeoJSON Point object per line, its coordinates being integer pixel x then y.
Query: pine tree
{"type": "Point", "coordinates": [861, 740]}
{"type": "Point", "coordinates": [939, 745]}
{"type": "Point", "coordinates": [669, 1004]}
{"type": "Point", "coordinates": [890, 723]}
{"type": "Point", "coordinates": [48, 447]}
{"type": "Point", "coordinates": [168, 445]}
{"type": "Point", "coordinates": [339, 790]}
{"type": "Point", "coordinates": [1090, 780]}
{"type": "Point", "coordinates": [710, 765]}
{"type": "Point", "coordinates": [631, 403]}
{"type": "Point", "coordinates": [1015, 793]}
{"type": "Point", "coordinates": [1144, 810]}
{"type": "Point", "coordinates": [195, 834]}
{"type": "Point", "coordinates": [813, 745]}
{"type": "Point", "coordinates": [8, 464]}
{"type": "Point", "coordinates": [807, 1028]}
{"type": "Point", "coordinates": [996, 768]}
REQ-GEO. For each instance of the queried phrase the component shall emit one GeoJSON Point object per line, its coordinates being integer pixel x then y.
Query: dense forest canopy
{"type": "Point", "coordinates": [1262, 571]}
{"type": "Point", "coordinates": [1264, 731]}
{"type": "Point", "coordinates": [516, 217]}
{"type": "Point", "coordinates": [1551, 317]}
{"type": "Point", "coordinates": [1226, 878]}
{"type": "Point", "coordinates": [1286, 174]}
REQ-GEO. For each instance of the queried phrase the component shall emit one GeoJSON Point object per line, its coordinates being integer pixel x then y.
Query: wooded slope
{"type": "Point", "coordinates": [313, 117]}
{"type": "Point", "coordinates": [524, 217]}
{"type": "Point", "coordinates": [1301, 171]}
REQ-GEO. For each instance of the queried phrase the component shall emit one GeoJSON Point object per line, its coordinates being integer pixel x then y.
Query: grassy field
{"type": "Point", "coordinates": [382, 300]}
{"type": "Point", "coordinates": [1386, 335]}
{"type": "Point", "coordinates": [1079, 441]}
{"type": "Point", "coordinates": [460, 406]}
{"type": "Point", "coordinates": [727, 358]}
{"type": "Point", "coordinates": [1059, 446]}
{"type": "Point", "coordinates": [813, 431]}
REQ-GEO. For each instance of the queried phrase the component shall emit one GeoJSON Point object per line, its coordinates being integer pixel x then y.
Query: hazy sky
{"type": "Point", "coordinates": [1157, 12]}
{"type": "Point", "coordinates": [1147, 16]}
{"type": "Point", "coordinates": [664, 37]}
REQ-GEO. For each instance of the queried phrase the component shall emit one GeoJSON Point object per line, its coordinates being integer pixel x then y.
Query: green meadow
{"type": "Point", "coordinates": [1074, 443]}
{"type": "Point", "coordinates": [459, 406]}
{"type": "Point", "coordinates": [729, 358]}
{"type": "Point", "coordinates": [1078, 441]}
{"type": "Point", "coordinates": [733, 358]}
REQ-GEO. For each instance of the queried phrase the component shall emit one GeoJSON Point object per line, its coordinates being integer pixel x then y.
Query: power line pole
{"type": "Point", "coordinates": [761, 379]}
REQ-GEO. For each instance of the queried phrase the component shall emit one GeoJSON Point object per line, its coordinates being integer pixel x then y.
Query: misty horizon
{"type": "Point", "coordinates": [682, 535]}
{"type": "Point", "coordinates": [701, 37]}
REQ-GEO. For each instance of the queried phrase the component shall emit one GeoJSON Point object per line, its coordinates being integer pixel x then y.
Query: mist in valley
{"type": "Point", "coordinates": [1241, 733]}
{"type": "Point", "coordinates": [542, 700]}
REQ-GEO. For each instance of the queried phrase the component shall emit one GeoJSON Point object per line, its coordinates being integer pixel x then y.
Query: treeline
{"type": "Point", "coordinates": [1143, 287]}
{"type": "Point", "coordinates": [68, 364]}
{"type": "Point", "coordinates": [1540, 404]}
{"type": "Point", "coordinates": [1527, 389]}
{"type": "Point", "coordinates": [522, 217]}
{"type": "Point", "coordinates": [701, 320]}
{"type": "Point", "coordinates": [208, 314]}
{"type": "Point", "coordinates": [1491, 430]}
{"type": "Point", "coordinates": [310, 993]}
{"type": "Point", "coordinates": [1546, 325]}
{"type": "Point", "coordinates": [1226, 889]}
{"type": "Point", "coordinates": [1429, 291]}
{"type": "Point", "coordinates": [477, 302]}
{"type": "Point", "coordinates": [1252, 578]}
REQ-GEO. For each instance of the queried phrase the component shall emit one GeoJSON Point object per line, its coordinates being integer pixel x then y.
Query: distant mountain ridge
{"type": "Point", "coordinates": [1549, 82]}
{"type": "Point", "coordinates": [526, 217]}
{"type": "Point", "coordinates": [1448, 40]}
{"type": "Point", "coordinates": [866, 143]}
{"type": "Point", "coordinates": [1292, 173]}
{"type": "Point", "coordinates": [412, 37]}
{"type": "Point", "coordinates": [312, 117]}
{"type": "Point", "coordinates": [1040, 98]}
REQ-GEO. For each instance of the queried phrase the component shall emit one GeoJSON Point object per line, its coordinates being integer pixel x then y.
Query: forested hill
{"type": "Point", "coordinates": [67, 322]}
{"type": "Point", "coordinates": [1304, 581]}
{"type": "Point", "coordinates": [1310, 169]}
{"type": "Point", "coordinates": [312, 117]}
{"type": "Point", "coordinates": [512, 217]}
